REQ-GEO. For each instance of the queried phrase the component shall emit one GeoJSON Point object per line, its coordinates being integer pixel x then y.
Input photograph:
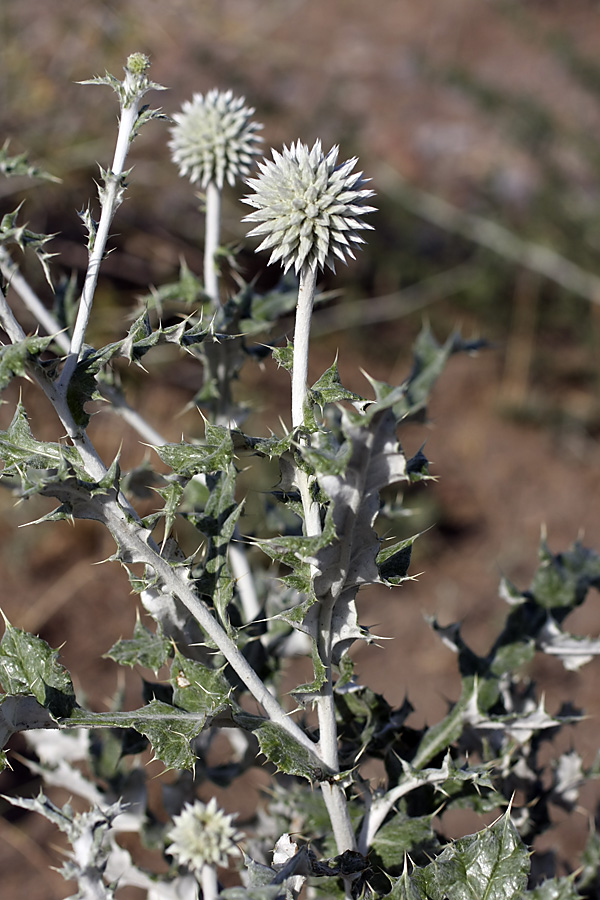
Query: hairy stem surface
{"type": "Point", "coordinates": [333, 794]}
{"type": "Point", "coordinates": [110, 201]}
{"type": "Point", "coordinates": [211, 241]}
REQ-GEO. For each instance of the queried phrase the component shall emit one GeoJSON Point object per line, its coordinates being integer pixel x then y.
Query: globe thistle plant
{"type": "Point", "coordinates": [203, 835]}
{"type": "Point", "coordinates": [214, 138]}
{"type": "Point", "coordinates": [309, 212]}
{"type": "Point", "coordinates": [308, 208]}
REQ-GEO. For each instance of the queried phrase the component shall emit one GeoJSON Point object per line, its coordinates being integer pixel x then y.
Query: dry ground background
{"type": "Point", "coordinates": [494, 107]}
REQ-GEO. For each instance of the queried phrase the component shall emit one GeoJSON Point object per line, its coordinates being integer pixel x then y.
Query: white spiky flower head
{"type": "Point", "coordinates": [214, 138]}
{"type": "Point", "coordinates": [309, 208]}
{"type": "Point", "coordinates": [203, 835]}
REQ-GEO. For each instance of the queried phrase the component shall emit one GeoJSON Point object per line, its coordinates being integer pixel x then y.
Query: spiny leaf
{"type": "Point", "coordinates": [429, 361]}
{"type": "Point", "coordinates": [375, 462]}
{"type": "Point", "coordinates": [305, 692]}
{"type": "Point", "coordinates": [393, 561]}
{"type": "Point", "coordinates": [281, 749]}
{"type": "Point", "coordinates": [563, 580]}
{"type": "Point", "coordinates": [519, 726]}
{"type": "Point", "coordinates": [573, 651]}
{"type": "Point", "coordinates": [187, 290]}
{"type": "Point", "coordinates": [21, 712]}
{"type": "Point", "coordinates": [554, 889]}
{"type": "Point", "coordinates": [10, 232]}
{"type": "Point", "coordinates": [29, 666]}
{"type": "Point", "coordinates": [21, 452]}
{"type": "Point", "coordinates": [15, 358]}
{"type": "Point", "coordinates": [217, 522]}
{"type": "Point", "coordinates": [91, 226]}
{"type": "Point", "coordinates": [261, 311]}
{"type": "Point", "coordinates": [197, 688]}
{"type": "Point", "coordinates": [439, 737]}
{"type": "Point", "coordinates": [62, 817]}
{"type": "Point", "coordinates": [171, 494]}
{"type": "Point", "coordinates": [191, 459]}
{"type": "Point", "coordinates": [146, 115]}
{"type": "Point", "coordinates": [269, 447]}
{"type": "Point", "coordinates": [88, 834]}
{"type": "Point", "coordinates": [490, 865]}
{"type": "Point", "coordinates": [368, 461]}
{"type": "Point", "coordinates": [141, 338]}
{"type": "Point", "coordinates": [402, 835]}
{"type": "Point", "coordinates": [168, 729]}
{"type": "Point", "coordinates": [284, 356]}
{"type": "Point", "coordinates": [405, 888]}
{"type": "Point", "coordinates": [329, 389]}
{"type": "Point", "coordinates": [146, 648]}
{"type": "Point", "coordinates": [82, 388]}
{"type": "Point", "coordinates": [19, 165]}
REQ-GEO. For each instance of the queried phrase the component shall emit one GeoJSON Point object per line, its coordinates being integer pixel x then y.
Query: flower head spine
{"type": "Point", "coordinates": [309, 209]}
{"type": "Point", "coordinates": [214, 138]}
{"type": "Point", "coordinates": [203, 835]}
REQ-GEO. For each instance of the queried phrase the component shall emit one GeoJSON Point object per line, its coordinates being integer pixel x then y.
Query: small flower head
{"type": "Point", "coordinates": [138, 63]}
{"type": "Point", "coordinates": [214, 138]}
{"type": "Point", "coordinates": [309, 208]}
{"type": "Point", "coordinates": [203, 835]}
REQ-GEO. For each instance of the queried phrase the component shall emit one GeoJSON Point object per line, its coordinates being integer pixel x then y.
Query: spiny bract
{"type": "Point", "coordinates": [214, 138]}
{"type": "Point", "coordinates": [308, 207]}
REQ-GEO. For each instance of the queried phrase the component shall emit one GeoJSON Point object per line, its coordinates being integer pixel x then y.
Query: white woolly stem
{"type": "Point", "coordinates": [110, 202]}
{"type": "Point", "coordinates": [244, 579]}
{"type": "Point", "coordinates": [306, 296]}
{"type": "Point", "coordinates": [333, 794]}
{"type": "Point", "coordinates": [210, 886]}
{"type": "Point", "coordinates": [211, 241]}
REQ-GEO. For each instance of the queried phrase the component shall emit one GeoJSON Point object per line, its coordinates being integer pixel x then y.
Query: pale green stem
{"type": "Point", "coordinates": [211, 241]}
{"type": "Point", "coordinates": [333, 794]}
{"type": "Point", "coordinates": [110, 202]}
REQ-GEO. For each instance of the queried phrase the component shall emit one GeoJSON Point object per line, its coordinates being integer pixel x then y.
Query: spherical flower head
{"type": "Point", "coordinates": [138, 63]}
{"type": "Point", "coordinates": [309, 208]}
{"type": "Point", "coordinates": [214, 138]}
{"type": "Point", "coordinates": [203, 835]}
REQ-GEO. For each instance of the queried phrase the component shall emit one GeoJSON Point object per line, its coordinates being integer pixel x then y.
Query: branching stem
{"type": "Point", "coordinates": [123, 524]}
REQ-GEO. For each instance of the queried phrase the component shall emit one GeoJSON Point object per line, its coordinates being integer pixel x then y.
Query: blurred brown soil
{"type": "Point", "coordinates": [337, 70]}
